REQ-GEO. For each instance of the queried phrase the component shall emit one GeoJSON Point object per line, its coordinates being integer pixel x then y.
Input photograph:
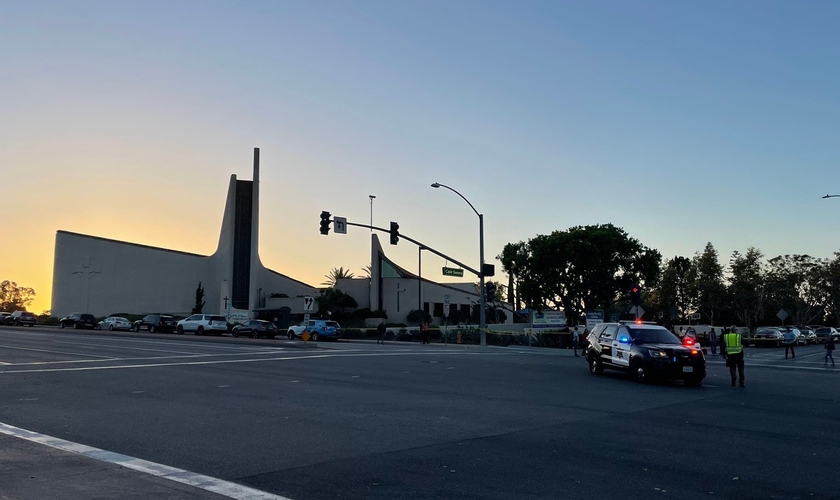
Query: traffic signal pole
{"type": "Point", "coordinates": [482, 314]}
{"type": "Point", "coordinates": [425, 247]}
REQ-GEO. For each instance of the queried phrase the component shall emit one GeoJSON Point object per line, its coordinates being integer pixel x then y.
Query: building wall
{"type": "Point", "coordinates": [408, 291]}
{"type": "Point", "coordinates": [103, 276]}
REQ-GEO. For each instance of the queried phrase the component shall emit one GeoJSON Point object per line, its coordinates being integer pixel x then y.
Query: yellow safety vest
{"type": "Point", "coordinates": [733, 343]}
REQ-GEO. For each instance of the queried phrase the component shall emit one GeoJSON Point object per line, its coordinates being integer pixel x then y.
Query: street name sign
{"type": "Point", "coordinates": [451, 271]}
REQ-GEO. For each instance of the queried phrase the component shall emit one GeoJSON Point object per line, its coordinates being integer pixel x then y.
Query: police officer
{"type": "Point", "coordinates": [734, 352]}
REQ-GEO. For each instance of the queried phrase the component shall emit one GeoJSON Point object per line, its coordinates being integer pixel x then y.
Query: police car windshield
{"type": "Point", "coordinates": [653, 336]}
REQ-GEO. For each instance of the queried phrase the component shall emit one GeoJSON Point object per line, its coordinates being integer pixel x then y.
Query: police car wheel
{"type": "Point", "coordinates": [595, 366]}
{"type": "Point", "coordinates": [639, 372]}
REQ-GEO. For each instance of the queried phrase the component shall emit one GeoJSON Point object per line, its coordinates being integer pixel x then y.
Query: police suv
{"type": "Point", "coordinates": [645, 351]}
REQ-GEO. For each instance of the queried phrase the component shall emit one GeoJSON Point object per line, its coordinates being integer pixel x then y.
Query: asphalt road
{"type": "Point", "coordinates": [359, 420]}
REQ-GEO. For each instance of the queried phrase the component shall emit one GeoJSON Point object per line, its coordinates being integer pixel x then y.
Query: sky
{"type": "Point", "coordinates": [681, 122]}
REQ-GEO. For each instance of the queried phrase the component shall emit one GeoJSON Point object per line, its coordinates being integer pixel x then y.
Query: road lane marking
{"type": "Point", "coordinates": [200, 481]}
{"type": "Point", "coordinates": [223, 361]}
{"type": "Point", "coordinates": [147, 358]}
{"type": "Point", "coordinates": [55, 352]}
{"type": "Point", "coordinates": [128, 348]}
{"type": "Point", "coordinates": [117, 340]}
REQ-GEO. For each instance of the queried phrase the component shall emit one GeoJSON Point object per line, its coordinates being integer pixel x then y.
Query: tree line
{"type": "Point", "coordinates": [587, 268]}
{"type": "Point", "coordinates": [14, 297]}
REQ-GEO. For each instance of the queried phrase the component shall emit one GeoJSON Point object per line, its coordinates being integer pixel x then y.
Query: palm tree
{"type": "Point", "coordinates": [336, 274]}
{"type": "Point", "coordinates": [513, 258]}
{"type": "Point", "coordinates": [368, 271]}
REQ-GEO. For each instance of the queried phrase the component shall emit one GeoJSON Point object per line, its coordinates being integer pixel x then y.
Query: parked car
{"type": "Point", "coordinates": [114, 323]}
{"type": "Point", "coordinates": [203, 323]}
{"type": "Point", "coordinates": [317, 328]}
{"type": "Point", "coordinates": [21, 318]}
{"type": "Point", "coordinates": [807, 335]}
{"type": "Point", "coordinates": [769, 335]}
{"type": "Point", "coordinates": [78, 320]}
{"type": "Point", "coordinates": [823, 332]}
{"type": "Point", "coordinates": [3, 317]}
{"type": "Point", "coordinates": [155, 323]}
{"type": "Point", "coordinates": [255, 328]}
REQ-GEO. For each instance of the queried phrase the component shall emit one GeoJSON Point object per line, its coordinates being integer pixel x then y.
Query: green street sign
{"type": "Point", "coordinates": [450, 271]}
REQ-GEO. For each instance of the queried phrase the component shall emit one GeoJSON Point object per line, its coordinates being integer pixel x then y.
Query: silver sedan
{"type": "Point", "coordinates": [114, 323]}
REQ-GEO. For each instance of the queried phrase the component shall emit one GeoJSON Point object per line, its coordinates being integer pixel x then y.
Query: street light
{"type": "Point", "coordinates": [831, 196]}
{"type": "Point", "coordinates": [371, 211]}
{"type": "Point", "coordinates": [482, 320]}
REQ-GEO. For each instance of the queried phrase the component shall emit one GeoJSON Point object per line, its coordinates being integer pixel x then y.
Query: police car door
{"type": "Point", "coordinates": [606, 341]}
{"type": "Point", "coordinates": [621, 347]}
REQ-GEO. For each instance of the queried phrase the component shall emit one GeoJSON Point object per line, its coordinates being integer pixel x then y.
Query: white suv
{"type": "Point", "coordinates": [203, 323]}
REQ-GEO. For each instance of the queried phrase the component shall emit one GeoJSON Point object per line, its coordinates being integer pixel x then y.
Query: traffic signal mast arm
{"type": "Point", "coordinates": [425, 247]}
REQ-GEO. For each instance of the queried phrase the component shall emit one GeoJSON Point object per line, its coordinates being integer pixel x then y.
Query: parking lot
{"type": "Point", "coordinates": [360, 420]}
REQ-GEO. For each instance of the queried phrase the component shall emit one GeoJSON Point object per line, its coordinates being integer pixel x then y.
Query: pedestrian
{"type": "Point", "coordinates": [424, 333]}
{"type": "Point", "coordinates": [713, 341]}
{"type": "Point", "coordinates": [733, 351]}
{"type": "Point", "coordinates": [575, 340]}
{"type": "Point", "coordinates": [790, 342]}
{"type": "Point", "coordinates": [380, 333]}
{"type": "Point", "coordinates": [829, 348]}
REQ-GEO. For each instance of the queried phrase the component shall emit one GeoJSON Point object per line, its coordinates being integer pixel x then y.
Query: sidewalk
{"type": "Point", "coordinates": [34, 471]}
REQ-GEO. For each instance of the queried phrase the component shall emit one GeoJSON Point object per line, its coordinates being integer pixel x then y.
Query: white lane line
{"type": "Point", "coordinates": [56, 352]}
{"type": "Point", "coordinates": [200, 481]}
{"type": "Point", "coordinates": [115, 346]}
{"type": "Point", "coordinates": [128, 348]}
{"type": "Point", "coordinates": [218, 362]}
{"type": "Point", "coordinates": [120, 340]}
{"type": "Point", "coordinates": [147, 358]}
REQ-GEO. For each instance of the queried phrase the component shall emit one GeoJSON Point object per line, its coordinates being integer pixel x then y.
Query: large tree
{"type": "Point", "coordinates": [514, 259]}
{"type": "Point", "coordinates": [709, 287]}
{"type": "Point", "coordinates": [796, 284]}
{"type": "Point", "coordinates": [677, 286]}
{"type": "Point", "coordinates": [748, 286]}
{"type": "Point", "coordinates": [585, 267]}
{"type": "Point", "coordinates": [830, 289]}
{"type": "Point", "coordinates": [14, 297]}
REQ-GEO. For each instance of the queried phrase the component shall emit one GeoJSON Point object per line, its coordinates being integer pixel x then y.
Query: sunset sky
{"type": "Point", "coordinates": [682, 122]}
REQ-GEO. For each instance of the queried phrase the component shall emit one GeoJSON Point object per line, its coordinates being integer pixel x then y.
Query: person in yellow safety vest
{"type": "Point", "coordinates": [733, 351]}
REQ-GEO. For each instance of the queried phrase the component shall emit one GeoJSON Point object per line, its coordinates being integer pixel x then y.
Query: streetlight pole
{"type": "Point", "coordinates": [482, 318]}
{"type": "Point", "coordinates": [831, 196]}
{"type": "Point", "coordinates": [371, 211]}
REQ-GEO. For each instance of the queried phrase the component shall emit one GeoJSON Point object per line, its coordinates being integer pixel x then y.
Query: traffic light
{"type": "Point", "coordinates": [489, 291]}
{"type": "Point", "coordinates": [325, 222]}
{"type": "Point", "coordinates": [395, 233]}
{"type": "Point", "coordinates": [636, 295]}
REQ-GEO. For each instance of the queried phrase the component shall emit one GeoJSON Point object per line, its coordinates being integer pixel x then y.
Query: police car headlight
{"type": "Point", "coordinates": [658, 354]}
